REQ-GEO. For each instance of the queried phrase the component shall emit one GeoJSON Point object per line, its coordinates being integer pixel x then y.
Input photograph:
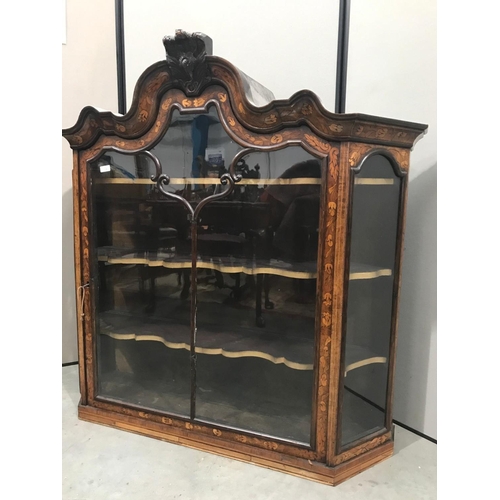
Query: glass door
{"type": "Point", "coordinates": [142, 265]}
{"type": "Point", "coordinates": [212, 317]}
{"type": "Point", "coordinates": [257, 260]}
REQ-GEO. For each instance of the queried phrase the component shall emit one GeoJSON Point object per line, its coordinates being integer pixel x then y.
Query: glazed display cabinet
{"type": "Point", "coordinates": [238, 265]}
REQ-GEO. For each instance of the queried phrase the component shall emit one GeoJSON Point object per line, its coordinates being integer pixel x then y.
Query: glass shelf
{"type": "Point", "coordinates": [231, 265]}
{"type": "Point", "coordinates": [242, 182]}
{"type": "Point", "coordinates": [214, 181]}
{"type": "Point", "coordinates": [278, 347]}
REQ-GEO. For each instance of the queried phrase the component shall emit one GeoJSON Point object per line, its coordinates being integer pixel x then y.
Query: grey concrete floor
{"type": "Point", "coordinates": [103, 463]}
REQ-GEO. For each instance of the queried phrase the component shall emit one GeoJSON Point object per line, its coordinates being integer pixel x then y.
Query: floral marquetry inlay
{"type": "Point", "coordinates": [402, 156]}
{"type": "Point", "coordinates": [327, 299]}
{"type": "Point", "coordinates": [327, 319]}
{"type": "Point", "coordinates": [359, 450]}
{"type": "Point", "coordinates": [358, 151]}
{"type": "Point", "coordinates": [314, 141]}
{"type": "Point", "coordinates": [166, 103]}
{"type": "Point", "coordinates": [335, 127]}
{"type": "Point", "coordinates": [306, 109]}
{"type": "Point", "coordinates": [270, 119]}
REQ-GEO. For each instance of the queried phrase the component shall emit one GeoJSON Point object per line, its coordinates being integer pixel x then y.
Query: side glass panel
{"type": "Point", "coordinates": [375, 208]}
{"type": "Point", "coordinates": [141, 290]}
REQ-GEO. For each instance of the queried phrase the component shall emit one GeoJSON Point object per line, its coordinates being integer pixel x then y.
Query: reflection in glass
{"type": "Point", "coordinates": [256, 276]}
{"type": "Point", "coordinates": [257, 259]}
{"type": "Point", "coordinates": [369, 311]}
{"type": "Point", "coordinates": [142, 297]}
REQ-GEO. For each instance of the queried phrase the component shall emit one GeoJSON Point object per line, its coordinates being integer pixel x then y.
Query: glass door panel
{"type": "Point", "coordinates": [142, 264]}
{"type": "Point", "coordinates": [256, 276]}
{"type": "Point", "coordinates": [257, 269]}
{"type": "Point", "coordinates": [374, 226]}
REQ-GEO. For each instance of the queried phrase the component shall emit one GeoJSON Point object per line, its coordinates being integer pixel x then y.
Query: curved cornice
{"type": "Point", "coordinates": [302, 108]}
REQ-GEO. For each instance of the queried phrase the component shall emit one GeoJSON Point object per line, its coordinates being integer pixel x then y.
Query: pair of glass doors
{"type": "Point", "coordinates": [251, 259]}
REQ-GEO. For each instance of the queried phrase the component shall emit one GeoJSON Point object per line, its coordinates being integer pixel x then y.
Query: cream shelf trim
{"type": "Point", "coordinates": [232, 269]}
{"type": "Point", "coordinates": [214, 181]}
{"type": "Point", "coordinates": [239, 354]}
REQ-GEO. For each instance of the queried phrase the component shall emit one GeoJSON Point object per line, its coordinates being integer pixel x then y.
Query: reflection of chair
{"type": "Point", "coordinates": [282, 224]}
{"type": "Point", "coordinates": [294, 212]}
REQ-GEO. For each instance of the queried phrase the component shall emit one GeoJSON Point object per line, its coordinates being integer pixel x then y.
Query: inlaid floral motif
{"type": "Point", "coordinates": [270, 119]}
{"type": "Point", "coordinates": [314, 141]}
{"type": "Point", "coordinates": [359, 450]}
{"type": "Point", "coordinates": [254, 140]}
{"type": "Point", "coordinates": [166, 104]}
{"type": "Point", "coordinates": [356, 152]}
{"type": "Point", "coordinates": [306, 109]}
{"type": "Point", "coordinates": [326, 319]}
{"type": "Point", "coordinates": [335, 127]}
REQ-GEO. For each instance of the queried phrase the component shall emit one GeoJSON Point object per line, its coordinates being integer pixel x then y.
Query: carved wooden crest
{"type": "Point", "coordinates": [186, 61]}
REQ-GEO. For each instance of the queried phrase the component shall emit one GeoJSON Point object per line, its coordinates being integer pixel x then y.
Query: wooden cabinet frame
{"type": "Point", "coordinates": [343, 142]}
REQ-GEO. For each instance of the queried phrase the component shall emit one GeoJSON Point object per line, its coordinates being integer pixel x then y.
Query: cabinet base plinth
{"type": "Point", "coordinates": [307, 469]}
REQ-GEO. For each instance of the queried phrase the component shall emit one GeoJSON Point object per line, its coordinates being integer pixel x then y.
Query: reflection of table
{"type": "Point", "coordinates": [241, 229]}
{"type": "Point", "coordinates": [233, 237]}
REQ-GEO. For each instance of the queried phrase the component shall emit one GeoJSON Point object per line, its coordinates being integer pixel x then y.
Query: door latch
{"type": "Point", "coordinates": [81, 298]}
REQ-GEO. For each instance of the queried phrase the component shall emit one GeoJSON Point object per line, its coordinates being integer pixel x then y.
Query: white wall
{"type": "Point", "coordinates": [392, 72]}
{"type": "Point", "coordinates": [88, 77]}
{"type": "Point", "coordinates": [286, 45]}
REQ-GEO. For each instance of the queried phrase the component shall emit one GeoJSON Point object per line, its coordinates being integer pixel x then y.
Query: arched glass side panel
{"type": "Point", "coordinates": [141, 262]}
{"type": "Point", "coordinates": [372, 260]}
